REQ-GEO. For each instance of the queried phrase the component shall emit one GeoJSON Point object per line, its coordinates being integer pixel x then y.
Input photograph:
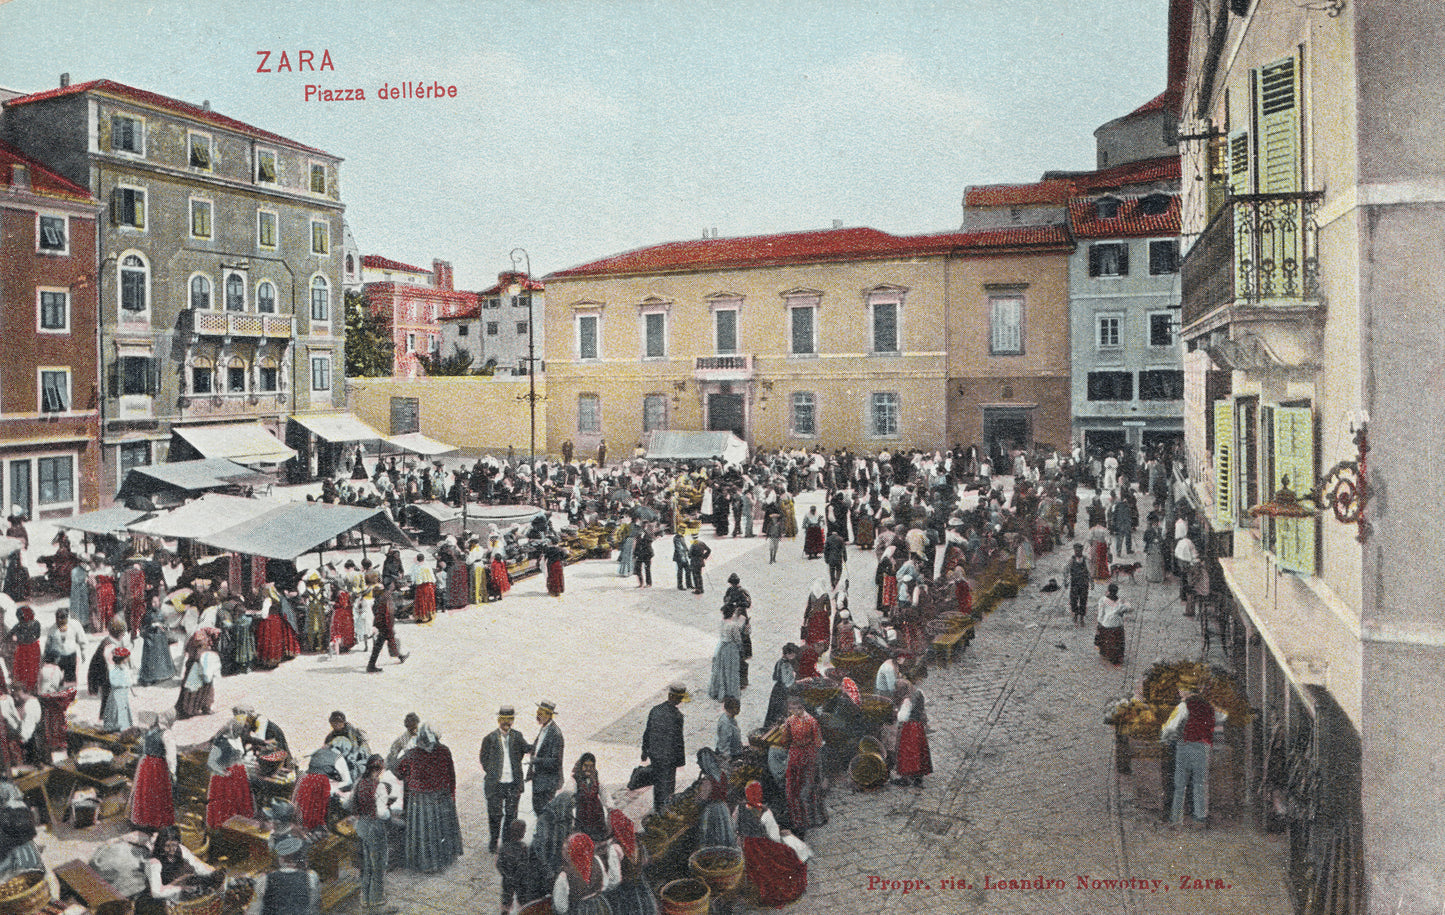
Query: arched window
{"type": "Point", "coordinates": [134, 284]}
{"type": "Point", "coordinates": [266, 298]}
{"type": "Point", "coordinates": [235, 293]}
{"type": "Point", "coordinates": [268, 375]}
{"type": "Point", "coordinates": [236, 375]}
{"type": "Point", "coordinates": [203, 376]}
{"type": "Point", "coordinates": [320, 300]}
{"type": "Point", "coordinates": [200, 293]}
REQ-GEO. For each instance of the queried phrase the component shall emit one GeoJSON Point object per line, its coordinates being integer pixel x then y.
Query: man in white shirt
{"type": "Point", "coordinates": [501, 758]}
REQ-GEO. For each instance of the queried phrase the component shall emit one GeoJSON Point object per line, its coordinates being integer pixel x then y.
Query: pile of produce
{"type": "Point", "coordinates": [1144, 716]}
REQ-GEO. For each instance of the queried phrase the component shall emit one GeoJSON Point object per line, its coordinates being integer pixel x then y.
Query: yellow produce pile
{"type": "Point", "coordinates": [1143, 717]}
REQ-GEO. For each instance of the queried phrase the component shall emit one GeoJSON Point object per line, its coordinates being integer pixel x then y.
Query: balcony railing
{"type": "Point", "coordinates": [733, 366]}
{"type": "Point", "coordinates": [1259, 249]}
{"type": "Point", "coordinates": [236, 324]}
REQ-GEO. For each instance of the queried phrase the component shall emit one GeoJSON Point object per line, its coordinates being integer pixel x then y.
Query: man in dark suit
{"type": "Point", "coordinates": [662, 744]}
{"type": "Point", "coordinates": [697, 555]}
{"type": "Point", "coordinates": [501, 759]}
{"type": "Point", "coordinates": [683, 560]}
{"type": "Point", "coordinates": [546, 772]}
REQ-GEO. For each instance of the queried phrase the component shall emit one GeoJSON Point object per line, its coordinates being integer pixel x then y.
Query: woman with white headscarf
{"type": "Point", "coordinates": [433, 833]}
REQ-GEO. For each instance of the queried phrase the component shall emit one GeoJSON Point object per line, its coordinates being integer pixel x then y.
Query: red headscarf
{"type": "Point", "coordinates": [851, 689]}
{"type": "Point", "coordinates": [808, 663]}
{"type": "Point", "coordinates": [25, 613]}
{"type": "Point", "coordinates": [579, 854]}
{"type": "Point", "coordinates": [623, 831]}
{"type": "Point", "coordinates": [754, 792]}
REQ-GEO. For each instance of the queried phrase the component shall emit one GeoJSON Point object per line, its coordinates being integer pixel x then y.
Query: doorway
{"type": "Point", "coordinates": [1006, 429]}
{"type": "Point", "coordinates": [725, 414]}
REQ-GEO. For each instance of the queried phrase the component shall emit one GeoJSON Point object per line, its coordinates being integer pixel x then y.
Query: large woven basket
{"type": "Point", "coordinates": [877, 709]}
{"type": "Point", "coordinates": [210, 904]}
{"type": "Point", "coordinates": [720, 867]}
{"type": "Point", "coordinates": [868, 771]}
{"type": "Point", "coordinates": [24, 893]}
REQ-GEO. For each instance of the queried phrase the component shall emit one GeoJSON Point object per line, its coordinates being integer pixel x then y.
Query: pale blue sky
{"type": "Point", "coordinates": [585, 129]}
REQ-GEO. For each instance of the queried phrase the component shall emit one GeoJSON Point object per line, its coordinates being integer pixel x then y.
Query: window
{"type": "Point", "coordinates": [133, 454]}
{"type": "Point", "coordinates": [654, 412]}
{"type": "Point", "coordinates": [411, 343]}
{"type": "Point", "coordinates": [266, 298]}
{"type": "Point", "coordinates": [494, 302]}
{"type": "Point", "coordinates": [320, 236]}
{"type": "Point", "coordinates": [805, 414]}
{"type": "Point", "coordinates": [1111, 385]}
{"type": "Point", "coordinates": [885, 414]}
{"type": "Point", "coordinates": [589, 413]}
{"type": "Point", "coordinates": [1109, 326]}
{"type": "Point", "coordinates": [200, 151]}
{"type": "Point", "coordinates": [493, 328]}
{"type": "Point", "coordinates": [200, 219]}
{"type": "Point", "coordinates": [655, 335]}
{"type": "Point", "coordinates": [265, 229]}
{"type": "Point", "coordinates": [134, 283]}
{"type": "Point", "coordinates": [268, 376]}
{"type": "Point", "coordinates": [128, 207]}
{"type": "Point", "coordinates": [1163, 257]}
{"type": "Point", "coordinates": [1154, 205]}
{"type": "Point", "coordinates": [136, 376]}
{"type": "Point", "coordinates": [463, 330]}
{"type": "Point", "coordinates": [725, 326]}
{"type": "Point", "coordinates": [236, 377]}
{"type": "Point", "coordinates": [320, 373]}
{"type": "Point", "coordinates": [318, 178]}
{"type": "Point", "coordinates": [1106, 208]}
{"type": "Point", "coordinates": [1109, 259]}
{"type": "Point", "coordinates": [54, 390]}
{"type": "Point", "coordinates": [1161, 328]}
{"type": "Point", "coordinates": [50, 235]}
{"type": "Point", "coordinates": [127, 134]}
{"type": "Point", "coordinates": [1161, 384]}
{"type": "Point", "coordinates": [200, 293]}
{"type": "Point", "coordinates": [54, 310]}
{"type": "Point", "coordinates": [202, 377]}
{"type": "Point", "coordinates": [885, 327]}
{"type": "Point", "coordinates": [1006, 326]}
{"type": "Point", "coordinates": [521, 328]}
{"type": "Point", "coordinates": [587, 336]}
{"type": "Point", "coordinates": [320, 300]}
{"type": "Point", "coordinates": [57, 479]}
{"type": "Point", "coordinates": [522, 301]}
{"type": "Point", "coordinates": [433, 344]}
{"type": "Point", "coordinates": [804, 340]}
{"type": "Point", "coordinates": [265, 166]}
{"type": "Point", "coordinates": [235, 293]}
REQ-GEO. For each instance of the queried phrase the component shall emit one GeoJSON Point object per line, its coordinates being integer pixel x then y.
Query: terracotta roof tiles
{"type": "Point", "coordinates": [42, 180]}
{"type": "Point", "coordinates": [1132, 221]}
{"type": "Point", "coordinates": [377, 262]}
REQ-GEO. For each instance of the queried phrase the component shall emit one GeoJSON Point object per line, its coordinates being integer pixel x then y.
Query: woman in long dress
{"type": "Point", "coordinates": [156, 664]}
{"type": "Point", "coordinates": [776, 862]}
{"type": "Point", "coordinates": [276, 638]}
{"type": "Point", "coordinates": [151, 803]}
{"type": "Point", "coordinates": [433, 833]}
{"type": "Point", "coordinates": [198, 683]}
{"type": "Point", "coordinates": [785, 674]}
{"type": "Point", "coordinates": [343, 628]}
{"type": "Point", "coordinates": [914, 759]}
{"type": "Point", "coordinates": [229, 793]}
{"type": "Point", "coordinates": [104, 580]}
{"type": "Point", "coordinates": [26, 636]}
{"type": "Point", "coordinates": [115, 714]}
{"type": "Point", "coordinates": [633, 895]}
{"type": "Point", "coordinates": [727, 658]}
{"type": "Point", "coordinates": [625, 551]}
{"type": "Point", "coordinates": [817, 614]}
{"type": "Point", "coordinates": [591, 811]}
{"type": "Point", "coordinates": [81, 595]}
{"type": "Point", "coordinates": [17, 833]}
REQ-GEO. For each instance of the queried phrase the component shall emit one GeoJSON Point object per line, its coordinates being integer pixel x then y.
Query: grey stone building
{"type": "Point", "coordinates": [219, 273]}
{"type": "Point", "coordinates": [498, 328]}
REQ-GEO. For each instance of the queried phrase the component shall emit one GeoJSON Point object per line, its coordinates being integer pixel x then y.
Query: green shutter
{"type": "Point", "coordinates": [1277, 120]}
{"type": "Point", "coordinates": [1239, 163]}
{"type": "Point", "coordinates": [1294, 459]}
{"type": "Point", "coordinates": [1224, 463]}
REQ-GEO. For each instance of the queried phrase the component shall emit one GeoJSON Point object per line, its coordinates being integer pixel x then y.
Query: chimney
{"type": "Point", "coordinates": [837, 223]}
{"type": "Point", "coordinates": [64, 80]}
{"type": "Point", "coordinates": [441, 273]}
{"type": "Point", "coordinates": [205, 104]}
{"type": "Point", "coordinates": [20, 176]}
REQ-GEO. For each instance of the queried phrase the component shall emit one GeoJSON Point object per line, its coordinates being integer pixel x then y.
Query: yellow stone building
{"type": "Point", "coordinates": [828, 339]}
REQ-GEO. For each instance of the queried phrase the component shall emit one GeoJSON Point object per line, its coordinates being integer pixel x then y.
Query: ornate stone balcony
{"type": "Point", "coordinates": [231, 324]}
{"type": "Point", "coordinates": [733, 367]}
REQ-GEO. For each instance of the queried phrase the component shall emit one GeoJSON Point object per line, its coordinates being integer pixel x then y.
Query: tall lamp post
{"type": "Point", "coordinates": [520, 254]}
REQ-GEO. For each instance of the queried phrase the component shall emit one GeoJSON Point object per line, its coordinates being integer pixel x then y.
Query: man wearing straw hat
{"type": "Point", "coordinates": [546, 769]}
{"type": "Point", "coordinates": [662, 743]}
{"type": "Point", "coordinates": [501, 759]}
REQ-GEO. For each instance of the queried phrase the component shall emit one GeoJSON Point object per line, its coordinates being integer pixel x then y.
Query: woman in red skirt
{"type": "Point", "coordinates": [914, 760]}
{"type": "Point", "coordinates": [424, 603]}
{"type": "Point", "coordinates": [230, 790]}
{"type": "Point", "coordinates": [499, 581]}
{"type": "Point", "coordinates": [151, 804]}
{"type": "Point", "coordinates": [555, 557]}
{"type": "Point", "coordinates": [104, 599]}
{"type": "Point", "coordinates": [343, 628]}
{"type": "Point", "coordinates": [26, 635]}
{"type": "Point", "coordinates": [776, 862]}
{"type": "Point", "coordinates": [133, 586]}
{"type": "Point", "coordinates": [276, 638]}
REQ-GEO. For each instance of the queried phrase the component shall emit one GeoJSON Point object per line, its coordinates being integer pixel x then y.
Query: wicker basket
{"type": "Point", "coordinates": [688, 896]}
{"type": "Point", "coordinates": [870, 745]}
{"type": "Point", "coordinates": [210, 904]}
{"type": "Point", "coordinates": [816, 695]}
{"type": "Point", "coordinates": [26, 892]}
{"type": "Point", "coordinates": [861, 666]}
{"type": "Point", "coordinates": [868, 771]}
{"type": "Point", "coordinates": [720, 867]}
{"type": "Point", "coordinates": [877, 709]}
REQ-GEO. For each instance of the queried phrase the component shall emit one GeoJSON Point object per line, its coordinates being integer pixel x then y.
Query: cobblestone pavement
{"type": "Point", "coordinates": [1024, 781]}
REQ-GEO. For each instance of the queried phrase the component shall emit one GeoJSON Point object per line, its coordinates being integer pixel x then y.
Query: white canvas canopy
{"type": "Point", "coordinates": [697, 446]}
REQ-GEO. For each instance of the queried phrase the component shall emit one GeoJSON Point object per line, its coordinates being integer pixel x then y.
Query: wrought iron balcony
{"type": "Point", "coordinates": [1258, 250]}
{"type": "Point", "coordinates": [732, 367]}
{"type": "Point", "coordinates": [199, 323]}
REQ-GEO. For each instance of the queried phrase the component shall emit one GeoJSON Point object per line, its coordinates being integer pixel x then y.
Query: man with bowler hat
{"type": "Point", "coordinates": [501, 759]}
{"type": "Point", "coordinates": [662, 743]}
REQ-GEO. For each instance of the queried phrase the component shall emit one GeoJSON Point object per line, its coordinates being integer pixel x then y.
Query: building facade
{"type": "Point", "coordinates": [49, 420]}
{"type": "Point", "coordinates": [1312, 288]}
{"type": "Point", "coordinates": [219, 280]}
{"type": "Point", "coordinates": [414, 302]}
{"type": "Point", "coordinates": [496, 330]}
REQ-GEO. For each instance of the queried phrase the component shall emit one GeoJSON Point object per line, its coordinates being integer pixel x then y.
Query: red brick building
{"type": "Point", "coordinates": [413, 300]}
{"type": "Point", "coordinates": [49, 416]}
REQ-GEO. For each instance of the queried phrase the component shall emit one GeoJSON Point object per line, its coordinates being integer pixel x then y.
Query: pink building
{"type": "Point", "coordinates": [414, 301]}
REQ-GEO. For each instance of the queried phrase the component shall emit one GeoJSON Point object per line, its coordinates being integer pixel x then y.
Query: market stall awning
{"type": "Point", "coordinates": [106, 521]}
{"type": "Point", "coordinates": [293, 529]}
{"type": "Point", "coordinates": [9, 546]}
{"type": "Point", "coordinates": [244, 443]}
{"type": "Point", "coordinates": [209, 514]}
{"type": "Point", "coordinates": [696, 446]}
{"type": "Point", "coordinates": [417, 443]}
{"type": "Point", "coordinates": [337, 427]}
{"type": "Point", "coordinates": [154, 484]}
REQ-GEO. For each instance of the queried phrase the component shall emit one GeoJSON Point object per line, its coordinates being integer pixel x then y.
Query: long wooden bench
{"type": "Point", "coordinates": [81, 880]}
{"type": "Point", "coordinates": [944, 645]}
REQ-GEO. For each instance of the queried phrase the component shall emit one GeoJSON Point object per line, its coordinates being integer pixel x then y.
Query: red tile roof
{"type": "Point", "coordinates": [195, 112]}
{"type": "Point", "coordinates": [507, 278]}
{"type": "Point", "coordinates": [1145, 171]}
{"type": "Point", "coordinates": [1130, 223]}
{"type": "Point", "coordinates": [378, 294]}
{"type": "Point", "coordinates": [1047, 191]}
{"type": "Point", "coordinates": [377, 262]}
{"type": "Point", "coordinates": [42, 180]}
{"type": "Point", "coordinates": [828, 245]}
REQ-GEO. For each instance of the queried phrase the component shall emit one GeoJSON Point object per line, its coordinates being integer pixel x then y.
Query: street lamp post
{"type": "Point", "coordinates": [518, 288]}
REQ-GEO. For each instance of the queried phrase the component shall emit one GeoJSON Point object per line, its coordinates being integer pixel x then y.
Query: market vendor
{"type": "Point", "coordinates": [171, 865]}
{"type": "Point", "coordinates": [259, 734]}
{"type": "Point", "coordinates": [17, 833]}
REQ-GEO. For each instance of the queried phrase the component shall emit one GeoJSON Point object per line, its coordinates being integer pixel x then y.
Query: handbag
{"type": "Point", "coordinates": [642, 777]}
